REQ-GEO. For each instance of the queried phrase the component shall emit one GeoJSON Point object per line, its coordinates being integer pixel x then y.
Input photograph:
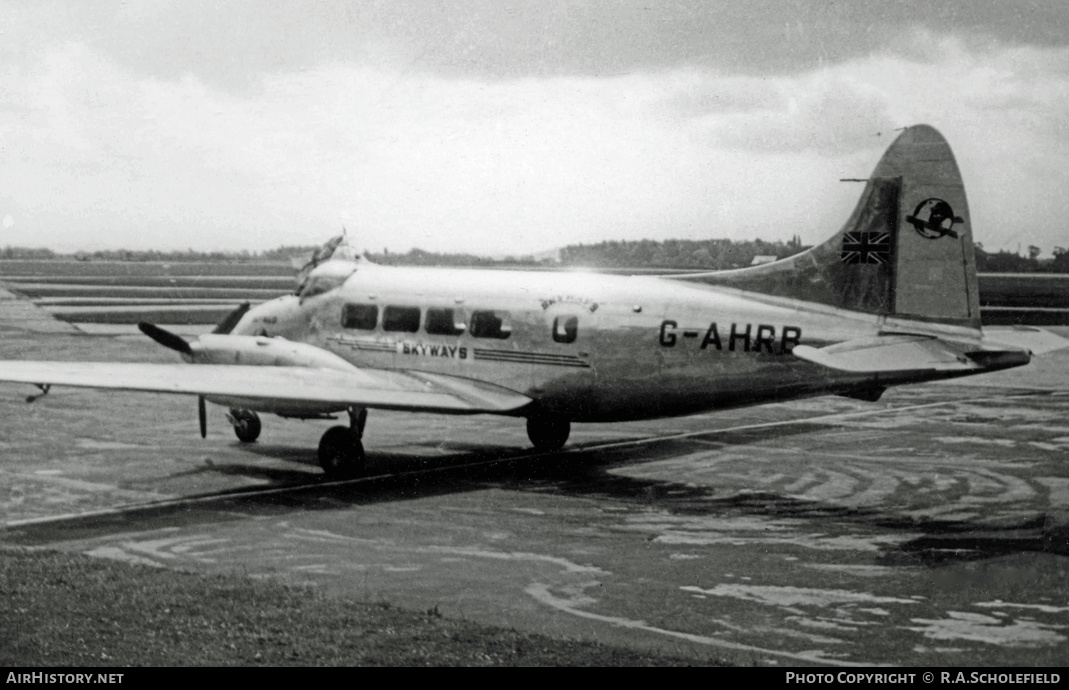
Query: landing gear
{"type": "Point", "coordinates": [246, 425]}
{"type": "Point", "coordinates": [341, 452]}
{"type": "Point", "coordinates": [341, 455]}
{"type": "Point", "coordinates": [548, 433]}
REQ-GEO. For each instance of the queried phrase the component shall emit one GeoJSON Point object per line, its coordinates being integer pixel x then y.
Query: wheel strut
{"type": "Point", "coordinates": [357, 420]}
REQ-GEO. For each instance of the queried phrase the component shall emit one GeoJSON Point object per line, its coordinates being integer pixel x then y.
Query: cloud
{"type": "Point", "coordinates": [826, 114]}
{"type": "Point", "coordinates": [233, 45]}
{"type": "Point", "coordinates": [96, 155]}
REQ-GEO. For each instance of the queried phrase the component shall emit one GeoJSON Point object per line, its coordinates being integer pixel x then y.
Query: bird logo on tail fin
{"type": "Point", "coordinates": [934, 218]}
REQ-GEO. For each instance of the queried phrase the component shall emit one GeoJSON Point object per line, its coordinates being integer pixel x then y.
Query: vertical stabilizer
{"type": "Point", "coordinates": [935, 267]}
{"type": "Point", "coordinates": [906, 250]}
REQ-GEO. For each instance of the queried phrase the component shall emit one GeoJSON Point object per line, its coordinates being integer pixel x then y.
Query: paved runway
{"type": "Point", "coordinates": [931, 527]}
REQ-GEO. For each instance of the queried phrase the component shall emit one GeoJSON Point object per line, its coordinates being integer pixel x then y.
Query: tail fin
{"type": "Point", "coordinates": [906, 250]}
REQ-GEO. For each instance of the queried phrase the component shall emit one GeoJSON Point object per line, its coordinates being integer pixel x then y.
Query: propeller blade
{"type": "Point", "coordinates": [231, 320]}
{"type": "Point", "coordinates": [202, 413]}
{"type": "Point", "coordinates": [165, 338]}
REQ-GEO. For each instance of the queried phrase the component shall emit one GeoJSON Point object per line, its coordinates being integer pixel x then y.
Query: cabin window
{"type": "Point", "coordinates": [361, 316]}
{"type": "Point", "coordinates": [490, 324]}
{"type": "Point", "coordinates": [440, 321]}
{"type": "Point", "coordinates": [403, 319]}
{"type": "Point", "coordinates": [565, 329]}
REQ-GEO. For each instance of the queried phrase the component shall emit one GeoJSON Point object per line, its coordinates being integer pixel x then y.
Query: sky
{"type": "Point", "coordinates": [498, 127]}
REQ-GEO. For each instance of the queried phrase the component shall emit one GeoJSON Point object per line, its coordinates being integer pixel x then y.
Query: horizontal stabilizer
{"type": "Point", "coordinates": [277, 388]}
{"type": "Point", "coordinates": [1036, 340]}
{"type": "Point", "coordinates": [887, 354]}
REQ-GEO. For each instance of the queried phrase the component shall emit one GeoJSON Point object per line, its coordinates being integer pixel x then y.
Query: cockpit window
{"type": "Point", "coordinates": [490, 324]}
{"type": "Point", "coordinates": [441, 321]}
{"type": "Point", "coordinates": [403, 319]}
{"type": "Point", "coordinates": [326, 277]}
{"type": "Point", "coordinates": [317, 285]}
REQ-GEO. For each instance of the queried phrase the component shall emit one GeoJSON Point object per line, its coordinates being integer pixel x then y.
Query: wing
{"type": "Point", "coordinates": [278, 388]}
{"type": "Point", "coordinates": [926, 357]}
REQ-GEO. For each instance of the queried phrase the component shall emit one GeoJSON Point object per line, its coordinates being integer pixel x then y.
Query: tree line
{"type": "Point", "coordinates": [614, 254]}
{"type": "Point", "coordinates": [688, 254]}
{"type": "Point", "coordinates": [1010, 262]}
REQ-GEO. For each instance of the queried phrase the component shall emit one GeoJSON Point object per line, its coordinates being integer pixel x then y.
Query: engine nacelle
{"type": "Point", "coordinates": [254, 350]}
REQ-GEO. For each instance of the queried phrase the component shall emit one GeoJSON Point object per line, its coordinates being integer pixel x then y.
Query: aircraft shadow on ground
{"type": "Point", "coordinates": [575, 472]}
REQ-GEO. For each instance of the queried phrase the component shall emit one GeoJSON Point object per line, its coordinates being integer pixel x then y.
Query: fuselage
{"type": "Point", "coordinates": [583, 346]}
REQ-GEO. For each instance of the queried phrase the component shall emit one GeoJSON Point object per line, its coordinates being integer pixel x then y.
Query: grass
{"type": "Point", "coordinates": [61, 609]}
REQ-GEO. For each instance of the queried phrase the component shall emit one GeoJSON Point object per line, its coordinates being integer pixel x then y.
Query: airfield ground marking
{"type": "Point", "coordinates": [254, 493]}
{"type": "Point", "coordinates": [542, 595]}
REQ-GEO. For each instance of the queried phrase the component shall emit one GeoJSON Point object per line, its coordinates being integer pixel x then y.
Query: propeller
{"type": "Point", "coordinates": [231, 320]}
{"type": "Point", "coordinates": [179, 344]}
{"type": "Point", "coordinates": [165, 338]}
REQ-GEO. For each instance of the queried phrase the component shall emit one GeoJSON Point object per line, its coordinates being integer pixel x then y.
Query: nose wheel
{"type": "Point", "coordinates": [341, 450]}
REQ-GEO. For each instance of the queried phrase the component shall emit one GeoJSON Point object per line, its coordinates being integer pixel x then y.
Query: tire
{"type": "Point", "coordinates": [247, 425]}
{"type": "Point", "coordinates": [548, 433]}
{"type": "Point", "coordinates": [341, 455]}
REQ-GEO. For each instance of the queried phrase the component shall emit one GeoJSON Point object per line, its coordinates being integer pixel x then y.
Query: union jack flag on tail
{"type": "Point", "coordinates": [866, 248]}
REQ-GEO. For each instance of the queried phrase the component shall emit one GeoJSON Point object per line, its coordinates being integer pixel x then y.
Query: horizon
{"type": "Point", "coordinates": [296, 251]}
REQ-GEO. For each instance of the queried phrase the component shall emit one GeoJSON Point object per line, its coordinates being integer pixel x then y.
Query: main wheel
{"type": "Point", "coordinates": [548, 433]}
{"type": "Point", "coordinates": [341, 454]}
{"type": "Point", "coordinates": [246, 425]}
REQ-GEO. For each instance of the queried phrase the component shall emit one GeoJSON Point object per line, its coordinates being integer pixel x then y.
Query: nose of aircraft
{"type": "Point", "coordinates": [281, 316]}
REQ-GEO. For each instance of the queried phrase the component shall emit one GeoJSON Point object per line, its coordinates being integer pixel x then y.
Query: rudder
{"type": "Point", "coordinates": [935, 265]}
